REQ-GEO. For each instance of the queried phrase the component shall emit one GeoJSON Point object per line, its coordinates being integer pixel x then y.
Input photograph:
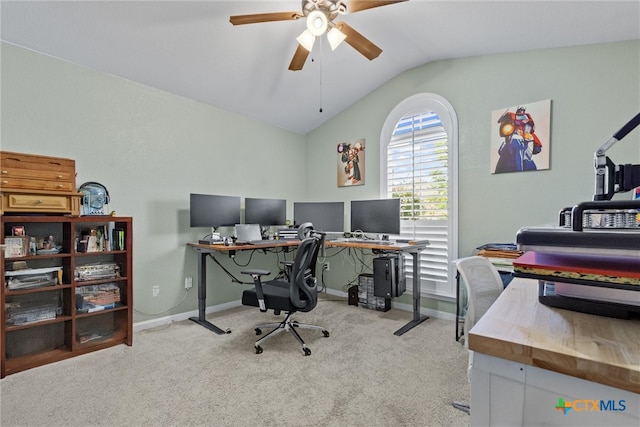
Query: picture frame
{"type": "Point", "coordinates": [351, 163]}
{"type": "Point", "coordinates": [521, 138]}
{"type": "Point", "coordinates": [15, 246]}
{"type": "Point", "coordinates": [17, 230]}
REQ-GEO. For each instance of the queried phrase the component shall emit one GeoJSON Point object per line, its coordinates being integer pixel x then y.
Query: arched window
{"type": "Point", "coordinates": [419, 165]}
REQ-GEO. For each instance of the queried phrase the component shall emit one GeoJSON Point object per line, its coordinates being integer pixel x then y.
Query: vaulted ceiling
{"type": "Point", "coordinates": [189, 48]}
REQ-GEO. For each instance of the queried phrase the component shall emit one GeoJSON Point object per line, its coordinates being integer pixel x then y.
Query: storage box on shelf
{"type": "Point", "coordinates": [59, 299]}
{"type": "Point", "coordinates": [38, 184]}
{"type": "Point", "coordinates": [366, 297]}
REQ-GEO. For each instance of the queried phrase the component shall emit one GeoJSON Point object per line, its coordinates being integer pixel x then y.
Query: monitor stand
{"type": "Point", "coordinates": [211, 239]}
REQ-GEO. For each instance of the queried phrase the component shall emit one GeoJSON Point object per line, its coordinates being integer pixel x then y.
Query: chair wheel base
{"type": "Point", "coordinates": [464, 407]}
{"type": "Point", "coordinates": [270, 330]}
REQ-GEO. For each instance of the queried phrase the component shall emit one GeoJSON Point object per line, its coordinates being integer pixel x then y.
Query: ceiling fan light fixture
{"type": "Point", "coordinates": [306, 40]}
{"type": "Point", "coordinates": [319, 18]}
{"type": "Point", "coordinates": [335, 37]}
{"type": "Point", "coordinates": [317, 22]}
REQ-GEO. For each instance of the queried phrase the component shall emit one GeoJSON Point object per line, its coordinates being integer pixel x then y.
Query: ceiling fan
{"type": "Point", "coordinates": [319, 15]}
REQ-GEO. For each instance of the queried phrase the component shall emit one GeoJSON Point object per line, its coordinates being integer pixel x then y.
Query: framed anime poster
{"type": "Point", "coordinates": [351, 163]}
{"type": "Point", "coordinates": [520, 137]}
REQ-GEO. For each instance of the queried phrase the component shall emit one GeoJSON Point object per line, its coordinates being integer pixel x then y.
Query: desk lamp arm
{"type": "Point", "coordinates": [612, 178]}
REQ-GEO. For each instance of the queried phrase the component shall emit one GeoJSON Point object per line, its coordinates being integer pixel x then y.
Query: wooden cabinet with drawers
{"type": "Point", "coordinates": [38, 184]}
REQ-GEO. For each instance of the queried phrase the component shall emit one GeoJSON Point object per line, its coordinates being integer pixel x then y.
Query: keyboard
{"type": "Point", "coordinates": [261, 242]}
{"type": "Point", "coordinates": [380, 242]}
{"type": "Point", "coordinates": [370, 241]}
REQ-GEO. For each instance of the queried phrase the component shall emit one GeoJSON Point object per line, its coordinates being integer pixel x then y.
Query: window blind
{"type": "Point", "coordinates": [418, 174]}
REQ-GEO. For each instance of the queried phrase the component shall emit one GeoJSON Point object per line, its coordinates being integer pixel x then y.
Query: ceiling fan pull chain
{"type": "Point", "coordinates": [320, 66]}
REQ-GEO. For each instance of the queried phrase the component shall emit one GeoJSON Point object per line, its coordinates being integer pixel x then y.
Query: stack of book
{"type": "Point", "coordinates": [501, 255]}
{"type": "Point", "coordinates": [97, 297]}
{"type": "Point", "coordinates": [499, 250]}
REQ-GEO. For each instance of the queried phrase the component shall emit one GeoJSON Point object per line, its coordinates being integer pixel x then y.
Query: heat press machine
{"type": "Point", "coordinates": [590, 262]}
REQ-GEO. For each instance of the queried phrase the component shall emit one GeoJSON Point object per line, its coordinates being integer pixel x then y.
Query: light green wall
{"type": "Point", "coordinates": [151, 149]}
{"type": "Point", "coordinates": [594, 91]}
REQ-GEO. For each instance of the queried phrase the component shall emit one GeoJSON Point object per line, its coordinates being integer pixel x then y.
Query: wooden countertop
{"type": "Point", "coordinates": [519, 328]}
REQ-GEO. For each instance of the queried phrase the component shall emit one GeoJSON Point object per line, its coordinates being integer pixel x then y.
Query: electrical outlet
{"type": "Point", "coordinates": [327, 266]}
{"type": "Point", "coordinates": [156, 290]}
{"type": "Point", "coordinates": [188, 282]}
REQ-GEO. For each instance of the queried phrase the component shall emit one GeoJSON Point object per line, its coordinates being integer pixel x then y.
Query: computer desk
{"type": "Point", "coordinates": [395, 248]}
{"type": "Point", "coordinates": [204, 251]}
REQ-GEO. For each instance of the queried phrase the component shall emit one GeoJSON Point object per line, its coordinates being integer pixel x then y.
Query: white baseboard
{"type": "Point", "coordinates": [405, 307]}
{"type": "Point", "coordinates": [147, 324]}
{"type": "Point", "coordinates": [139, 326]}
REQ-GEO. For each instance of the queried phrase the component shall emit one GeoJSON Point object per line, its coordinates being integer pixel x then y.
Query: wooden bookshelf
{"type": "Point", "coordinates": [47, 322]}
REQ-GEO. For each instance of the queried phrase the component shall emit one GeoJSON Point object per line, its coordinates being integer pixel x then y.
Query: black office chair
{"type": "Point", "coordinates": [299, 293]}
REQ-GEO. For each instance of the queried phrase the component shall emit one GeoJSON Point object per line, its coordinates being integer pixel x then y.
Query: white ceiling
{"type": "Point", "coordinates": [189, 48]}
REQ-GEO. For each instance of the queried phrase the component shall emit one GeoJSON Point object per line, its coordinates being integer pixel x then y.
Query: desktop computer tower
{"type": "Point", "coordinates": [353, 295]}
{"type": "Point", "coordinates": [388, 280]}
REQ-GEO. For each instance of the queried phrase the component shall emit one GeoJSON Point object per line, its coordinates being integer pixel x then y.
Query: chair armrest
{"type": "Point", "coordinates": [255, 272]}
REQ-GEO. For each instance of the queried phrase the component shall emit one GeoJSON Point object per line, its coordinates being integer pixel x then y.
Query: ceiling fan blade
{"type": "Point", "coordinates": [359, 42]}
{"type": "Point", "coordinates": [264, 17]}
{"type": "Point", "coordinates": [358, 5]}
{"type": "Point", "coordinates": [299, 58]}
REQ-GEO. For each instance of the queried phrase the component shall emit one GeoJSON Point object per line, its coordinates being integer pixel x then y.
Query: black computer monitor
{"type": "Point", "coordinates": [325, 216]}
{"type": "Point", "coordinates": [265, 212]}
{"type": "Point", "coordinates": [209, 210]}
{"type": "Point", "coordinates": [379, 216]}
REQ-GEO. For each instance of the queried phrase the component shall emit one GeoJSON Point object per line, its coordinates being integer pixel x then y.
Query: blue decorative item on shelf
{"type": "Point", "coordinates": [94, 198]}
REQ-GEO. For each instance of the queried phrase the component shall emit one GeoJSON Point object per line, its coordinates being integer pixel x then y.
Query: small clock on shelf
{"type": "Point", "coordinates": [94, 198]}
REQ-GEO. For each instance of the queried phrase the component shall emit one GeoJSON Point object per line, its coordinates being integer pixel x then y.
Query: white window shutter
{"type": "Point", "coordinates": [418, 173]}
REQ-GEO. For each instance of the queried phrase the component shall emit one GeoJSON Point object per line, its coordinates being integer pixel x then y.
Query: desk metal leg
{"type": "Point", "coordinates": [202, 296]}
{"type": "Point", "coordinates": [417, 318]}
{"type": "Point", "coordinates": [459, 331]}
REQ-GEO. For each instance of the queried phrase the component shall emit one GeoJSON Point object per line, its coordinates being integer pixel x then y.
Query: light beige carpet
{"type": "Point", "coordinates": [184, 375]}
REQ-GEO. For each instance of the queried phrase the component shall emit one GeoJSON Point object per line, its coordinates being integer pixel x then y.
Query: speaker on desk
{"type": "Point", "coordinates": [386, 282]}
